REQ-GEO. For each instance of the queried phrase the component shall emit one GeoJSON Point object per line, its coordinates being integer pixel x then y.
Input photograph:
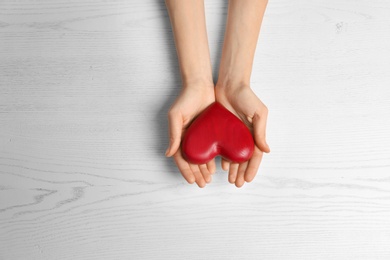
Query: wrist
{"type": "Point", "coordinates": [227, 90]}
{"type": "Point", "coordinates": [230, 84]}
{"type": "Point", "coordinates": [200, 88]}
{"type": "Point", "coordinates": [197, 74]}
{"type": "Point", "coordinates": [234, 75]}
{"type": "Point", "coordinates": [200, 83]}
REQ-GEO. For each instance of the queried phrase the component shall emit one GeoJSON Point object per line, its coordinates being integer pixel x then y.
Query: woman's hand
{"type": "Point", "coordinates": [192, 100]}
{"type": "Point", "coordinates": [242, 30]}
{"type": "Point", "coordinates": [232, 89]}
{"type": "Point", "coordinates": [243, 102]}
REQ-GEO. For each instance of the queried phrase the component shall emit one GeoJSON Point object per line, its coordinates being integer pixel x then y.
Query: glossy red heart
{"type": "Point", "coordinates": [216, 131]}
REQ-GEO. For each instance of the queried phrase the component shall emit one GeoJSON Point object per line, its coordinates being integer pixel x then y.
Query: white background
{"type": "Point", "coordinates": [84, 91]}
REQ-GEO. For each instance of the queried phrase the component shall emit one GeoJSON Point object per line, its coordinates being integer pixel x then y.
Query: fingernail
{"type": "Point", "coordinates": [166, 152]}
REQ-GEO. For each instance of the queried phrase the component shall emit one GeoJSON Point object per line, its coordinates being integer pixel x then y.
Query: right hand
{"type": "Point", "coordinates": [192, 100]}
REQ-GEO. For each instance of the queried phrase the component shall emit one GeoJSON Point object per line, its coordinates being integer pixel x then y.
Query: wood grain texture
{"type": "Point", "coordinates": [84, 91]}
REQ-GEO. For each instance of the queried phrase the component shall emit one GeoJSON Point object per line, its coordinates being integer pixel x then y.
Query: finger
{"type": "Point", "coordinates": [205, 172]}
{"type": "Point", "coordinates": [225, 164]}
{"type": "Point", "coordinates": [175, 129]}
{"type": "Point", "coordinates": [198, 175]}
{"type": "Point", "coordinates": [259, 129]}
{"type": "Point", "coordinates": [253, 165]}
{"type": "Point", "coordinates": [233, 172]}
{"type": "Point", "coordinates": [211, 166]}
{"type": "Point", "coordinates": [240, 174]}
{"type": "Point", "coordinates": [184, 167]}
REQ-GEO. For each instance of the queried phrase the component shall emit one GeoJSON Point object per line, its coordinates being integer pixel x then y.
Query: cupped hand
{"type": "Point", "coordinates": [192, 100]}
{"type": "Point", "coordinates": [243, 102]}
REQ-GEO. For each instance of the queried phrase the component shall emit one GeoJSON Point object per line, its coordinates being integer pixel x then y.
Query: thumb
{"type": "Point", "coordinates": [175, 129]}
{"type": "Point", "coordinates": [259, 126]}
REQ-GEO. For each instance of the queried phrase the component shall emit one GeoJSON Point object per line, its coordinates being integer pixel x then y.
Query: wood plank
{"type": "Point", "coordinates": [84, 91]}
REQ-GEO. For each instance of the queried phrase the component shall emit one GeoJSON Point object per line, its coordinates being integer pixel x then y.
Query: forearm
{"type": "Point", "coordinates": [242, 31]}
{"type": "Point", "coordinates": [189, 29]}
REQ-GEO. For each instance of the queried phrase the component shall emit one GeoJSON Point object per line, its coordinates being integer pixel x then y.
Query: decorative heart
{"type": "Point", "coordinates": [216, 131]}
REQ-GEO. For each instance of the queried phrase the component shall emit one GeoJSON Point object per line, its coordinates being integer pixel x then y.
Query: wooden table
{"type": "Point", "coordinates": [85, 87]}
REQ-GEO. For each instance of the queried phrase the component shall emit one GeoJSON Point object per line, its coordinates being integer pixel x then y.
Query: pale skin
{"type": "Point", "coordinates": [232, 89]}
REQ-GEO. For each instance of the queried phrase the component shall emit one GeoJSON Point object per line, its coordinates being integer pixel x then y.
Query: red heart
{"type": "Point", "coordinates": [216, 131]}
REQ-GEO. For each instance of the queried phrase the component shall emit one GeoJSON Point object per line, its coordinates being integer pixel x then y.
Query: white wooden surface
{"type": "Point", "coordinates": [84, 91]}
